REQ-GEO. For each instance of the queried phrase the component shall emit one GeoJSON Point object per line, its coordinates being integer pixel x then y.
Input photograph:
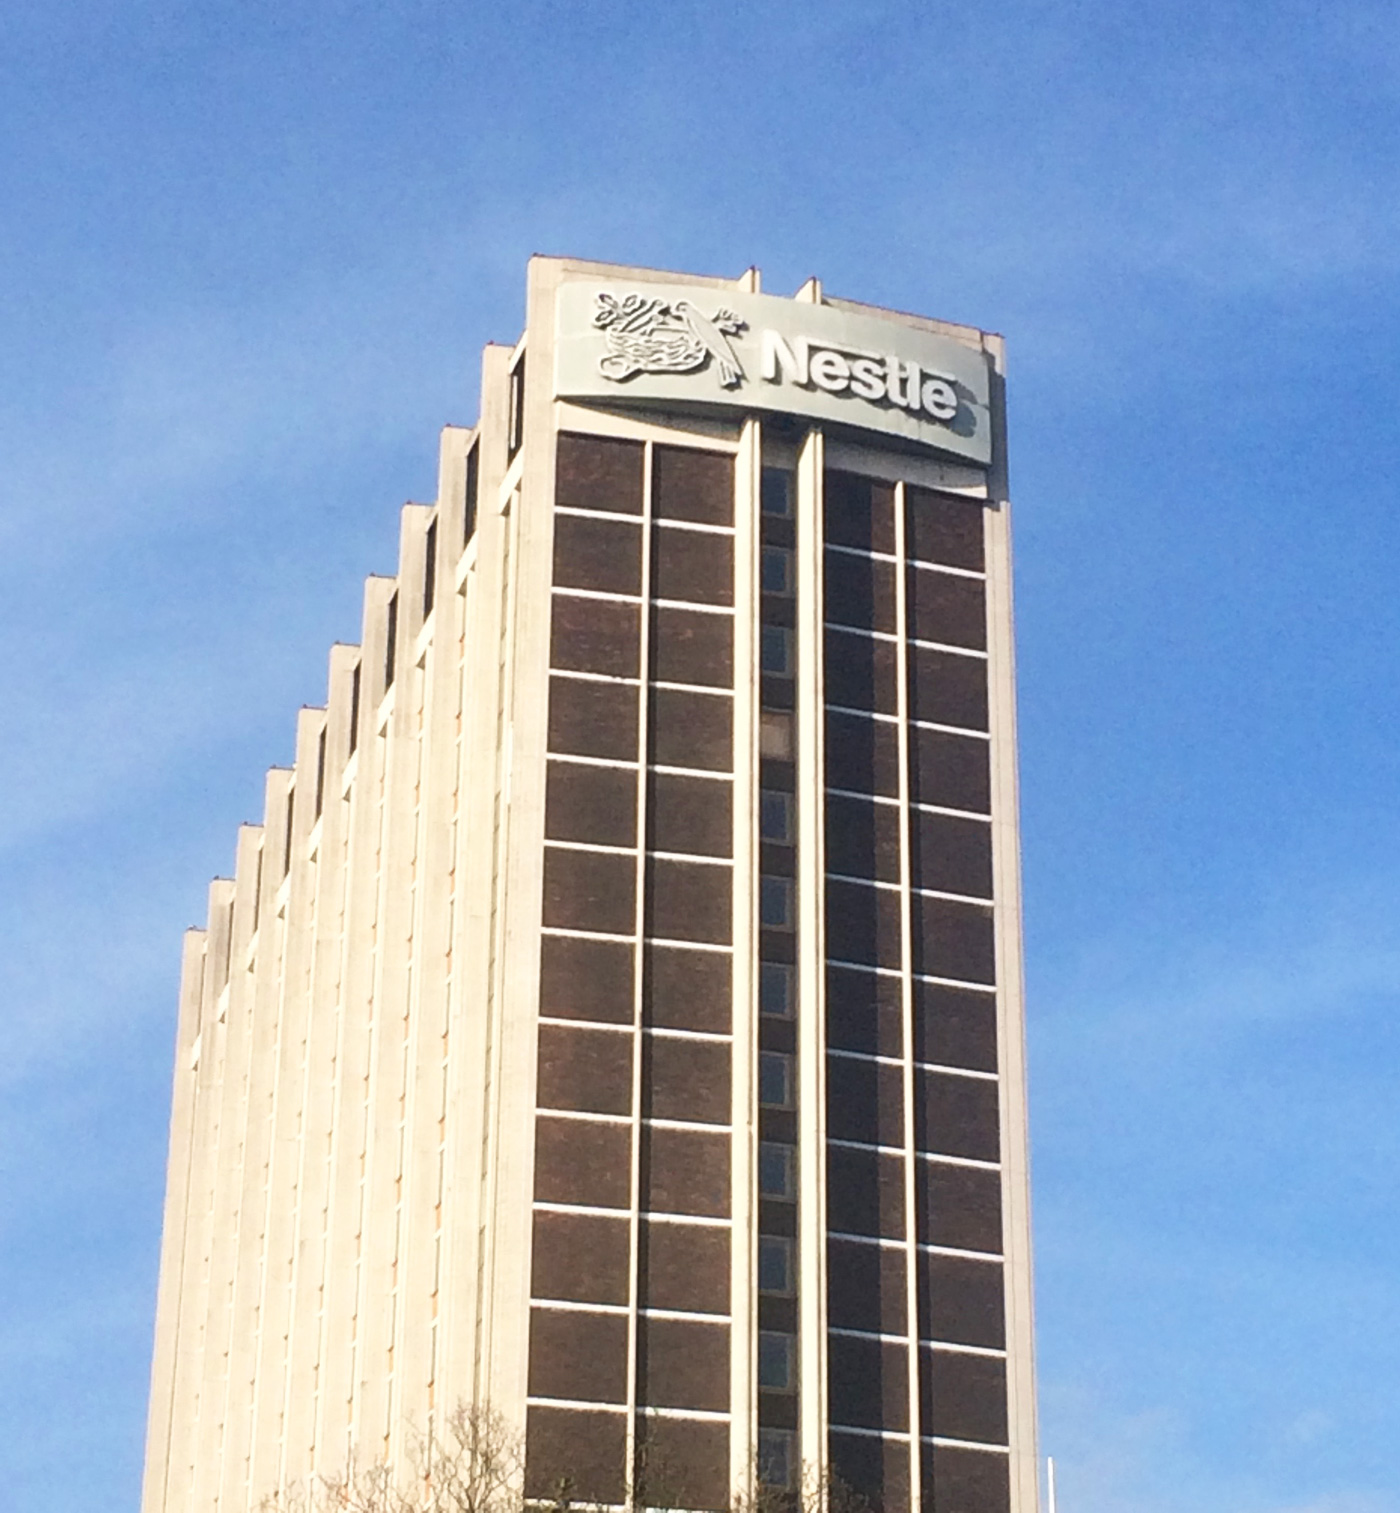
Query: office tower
{"type": "Point", "coordinates": [617, 1017]}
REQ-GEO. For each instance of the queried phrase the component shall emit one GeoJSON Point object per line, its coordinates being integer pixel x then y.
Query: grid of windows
{"type": "Point", "coordinates": [916, 1368]}
{"type": "Point", "coordinates": [634, 1038]}
{"type": "Point", "coordinates": [631, 1270]}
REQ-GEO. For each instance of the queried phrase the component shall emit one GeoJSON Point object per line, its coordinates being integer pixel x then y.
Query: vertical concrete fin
{"type": "Point", "coordinates": [171, 1298]}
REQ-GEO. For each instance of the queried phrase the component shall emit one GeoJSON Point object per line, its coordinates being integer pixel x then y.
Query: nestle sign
{"type": "Point", "coordinates": [689, 345]}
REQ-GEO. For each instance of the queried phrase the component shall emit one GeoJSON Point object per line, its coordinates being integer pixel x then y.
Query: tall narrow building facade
{"type": "Point", "coordinates": [617, 1017]}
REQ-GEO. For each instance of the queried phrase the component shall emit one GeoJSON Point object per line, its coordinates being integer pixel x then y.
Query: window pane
{"type": "Point", "coordinates": [775, 815]}
{"type": "Point", "coordinates": [775, 1457]}
{"type": "Point", "coordinates": [775, 903]}
{"type": "Point", "coordinates": [775, 735]}
{"type": "Point", "coordinates": [775, 990]}
{"type": "Point", "coordinates": [774, 1265]}
{"type": "Point", "coordinates": [774, 1079]}
{"type": "Point", "coordinates": [775, 1173]}
{"type": "Point", "coordinates": [776, 570]}
{"type": "Point", "coordinates": [775, 491]}
{"type": "Point", "coordinates": [775, 1361]}
{"type": "Point", "coordinates": [775, 650]}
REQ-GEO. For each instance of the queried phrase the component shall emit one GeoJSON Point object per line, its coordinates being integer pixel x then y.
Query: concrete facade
{"type": "Point", "coordinates": [617, 1017]}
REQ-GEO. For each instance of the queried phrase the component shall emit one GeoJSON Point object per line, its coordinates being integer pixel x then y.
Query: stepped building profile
{"type": "Point", "coordinates": [617, 1016]}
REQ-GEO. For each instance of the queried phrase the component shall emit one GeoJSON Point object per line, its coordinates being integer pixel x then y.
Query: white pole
{"type": "Point", "coordinates": [1050, 1480]}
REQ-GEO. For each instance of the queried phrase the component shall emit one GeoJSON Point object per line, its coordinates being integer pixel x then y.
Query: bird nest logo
{"type": "Point", "coordinates": [657, 336]}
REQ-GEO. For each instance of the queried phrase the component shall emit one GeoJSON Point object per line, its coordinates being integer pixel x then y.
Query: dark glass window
{"type": "Point", "coordinates": [775, 572]}
{"type": "Point", "coordinates": [775, 1265]}
{"type": "Point", "coordinates": [355, 708]}
{"type": "Point", "coordinates": [391, 641]}
{"type": "Point", "coordinates": [473, 483]}
{"type": "Point", "coordinates": [775, 907]}
{"type": "Point", "coordinates": [287, 838]}
{"type": "Point", "coordinates": [320, 770]}
{"type": "Point", "coordinates": [430, 569]}
{"type": "Point", "coordinates": [774, 1079]}
{"type": "Point", "coordinates": [775, 492]}
{"type": "Point", "coordinates": [775, 989]}
{"type": "Point", "coordinates": [776, 1174]}
{"type": "Point", "coordinates": [775, 815]}
{"type": "Point", "coordinates": [515, 422]}
{"type": "Point", "coordinates": [775, 1360]}
{"type": "Point", "coordinates": [775, 650]}
{"type": "Point", "coordinates": [777, 1453]}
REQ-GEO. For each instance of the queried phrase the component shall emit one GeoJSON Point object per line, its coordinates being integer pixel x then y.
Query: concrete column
{"type": "Point", "coordinates": [811, 960]}
{"type": "Point", "coordinates": [174, 1325]}
{"type": "Point", "coordinates": [1011, 1032]}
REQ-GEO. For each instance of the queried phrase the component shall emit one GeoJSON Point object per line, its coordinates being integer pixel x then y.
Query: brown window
{"type": "Point", "coordinates": [689, 646]}
{"type": "Point", "coordinates": [864, 1193]}
{"type": "Point", "coordinates": [962, 1301]}
{"type": "Point", "coordinates": [689, 901]}
{"type": "Point", "coordinates": [860, 672]}
{"type": "Point", "coordinates": [864, 1012]}
{"type": "Point", "coordinates": [951, 855]}
{"type": "Point", "coordinates": [582, 1356]}
{"type": "Point", "coordinates": [599, 473]}
{"type": "Point", "coordinates": [862, 838]}
{"type": "Point", "coordinates": [595, 635]}
{"type": "Point", "coordinates": [876, 1469]}
{"type": "Point", "coordinates": [862, 754]}
{"type": "Point", "coordinates": [959, 1207]}
{"type": "Point", "coordinates": [585, 1070]}
{"type": "Point", "coordinates": [954, 940]}
{"type": "Point", "coordinates": [956, 1116]}
{"type": "Point", "coordinates": [682, 1363]}
{"type": "Point", "coordinates": [685, 1172]}
{"type": "Point", "coordinates": [943, 528]}
{"type": "Point", "coordinates": [868, 1383]}
{"type": "Point", "coordinates": [963, 1396]}
{"type": "Point", "coordinates": [685, 1267]}
{"type": "Point", "coordinates": [864, 1101]}
{"type": "Point", "coordinates": [691, 815]}
{"type": "Point", "coordinates": [859, 512]}
{"type": "Point", "coordinates": [584, 1448]}
{"type": "Point", "coordinates": [859, 591]}
{"type": "Point", "coordinates": [692, 730]}
{"type": "Point", "coordinates": [695, 567]}
{"type": "Point", "coordinates": [591, 804]}
{"type": "Point", "coordinates": [586, 979]}
{"type": "Point", "coordinates": [862, 924]}
{"type": "Point", "coordinates": [584, 1162]}
{"type": "Point", "coordinates": [941, 607]}
{"type": "Point", "coordinates": [581, 1258]}
{"type": "Point", "coordinates": [955, 1027]}
{"type": "Point", "coordinates": [952, 771]}
{"type": "Point", "coordinates": [687, 1079]}
{"type": "Point", "coordinates": [687, 989]}
{"type": "Point", "coordinates": [689, 484]}
{"type": "Point", "coordinates": [866, 1288]}
{"type": "Point", "coordinates": [976, 1480]}
{"type": "Point", "coordinates": [682, 1463]}
{"type": "Point", "coordinates": [593, 719]}
{"type": "Point", "coordinates": [590, 890]}
{"type": "Point", "coordinates": [594, 553]}
{"type": "Point", "coordinates": [946, 689]}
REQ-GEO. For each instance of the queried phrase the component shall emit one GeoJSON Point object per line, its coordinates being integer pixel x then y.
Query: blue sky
{"type": "Point", "coordinates": [248, 257]}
